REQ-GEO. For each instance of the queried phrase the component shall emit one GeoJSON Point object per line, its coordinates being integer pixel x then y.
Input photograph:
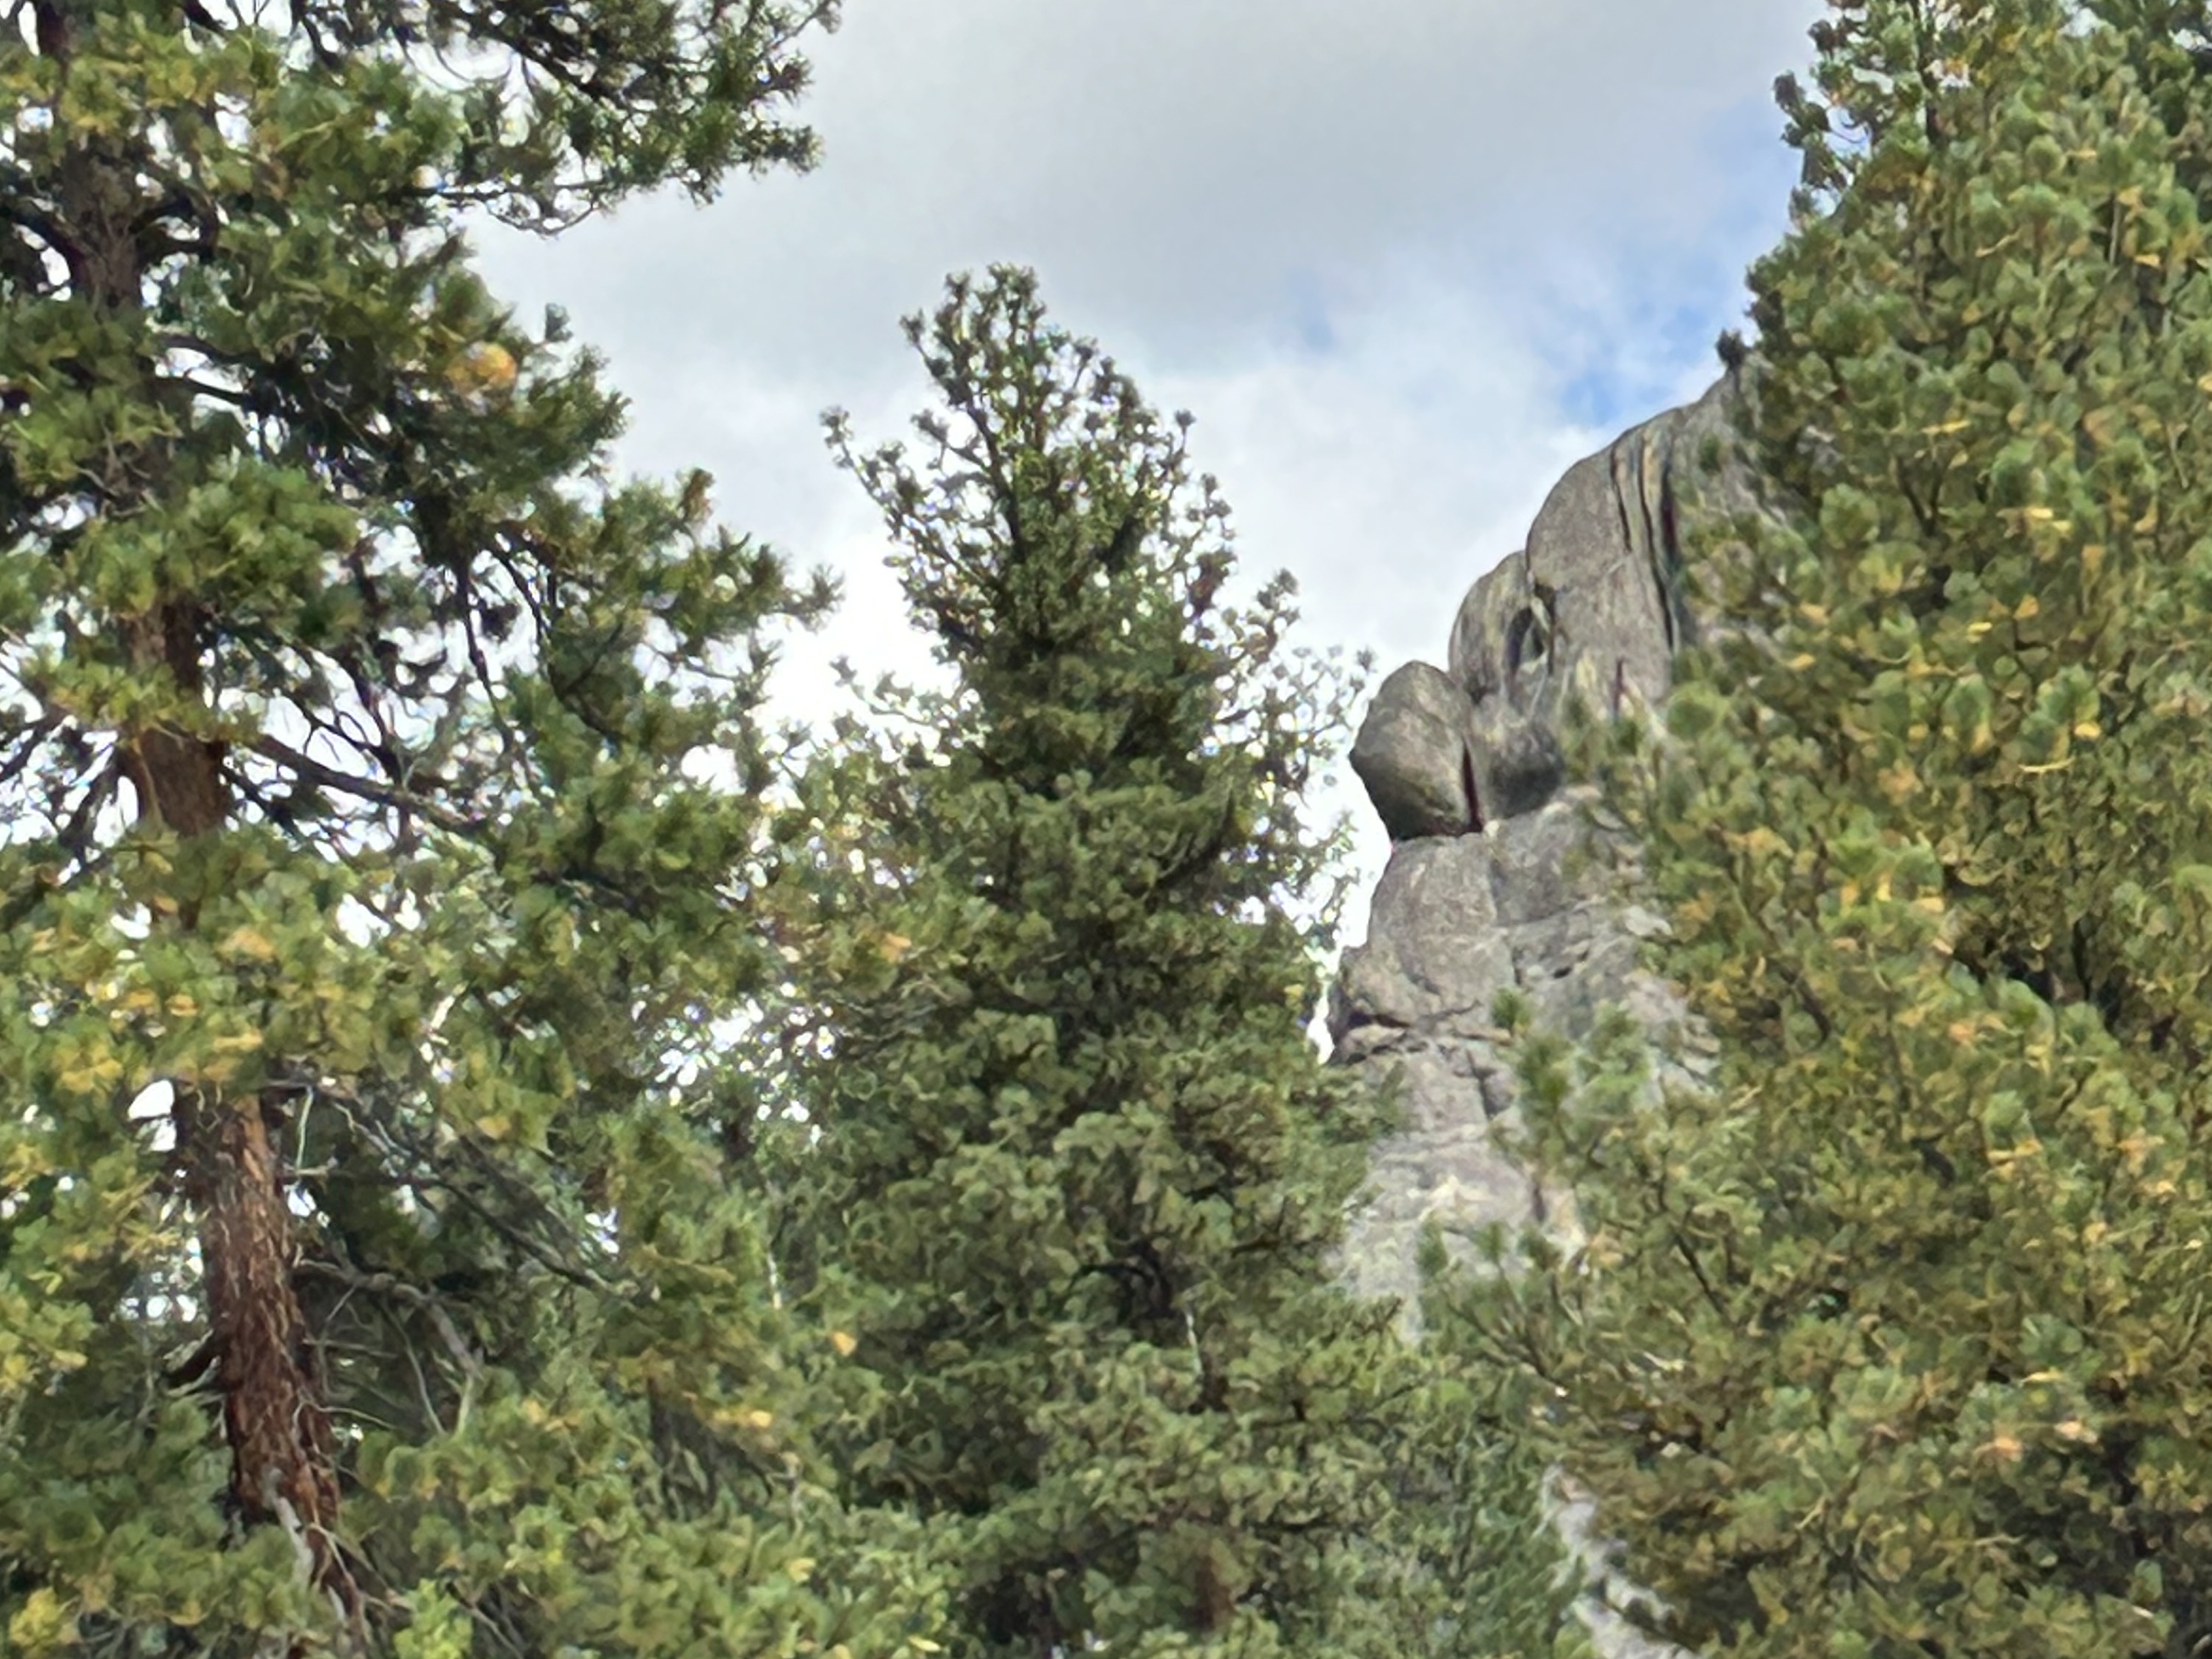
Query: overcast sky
{"type": "Point", "coordinates": [1405, 260]}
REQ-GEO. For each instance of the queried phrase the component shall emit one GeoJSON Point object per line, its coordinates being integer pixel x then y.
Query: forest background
{"type": "Point", "coordinates": [621, 1186]}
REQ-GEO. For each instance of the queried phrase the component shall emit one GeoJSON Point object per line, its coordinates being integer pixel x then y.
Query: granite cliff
{"type": "Point", "coordinates": [1485, 889]}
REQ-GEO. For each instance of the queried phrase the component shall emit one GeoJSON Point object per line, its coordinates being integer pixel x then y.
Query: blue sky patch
{"type": "Point", "coordinates": [1308, 311]}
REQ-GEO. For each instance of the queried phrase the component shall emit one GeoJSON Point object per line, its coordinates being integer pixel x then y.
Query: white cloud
{"type": "Point", "coordinates": [1405, 262]}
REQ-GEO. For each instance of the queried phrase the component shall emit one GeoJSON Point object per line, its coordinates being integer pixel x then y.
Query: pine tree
{"type": "Point", "coordinates": [1892, 1341]}
{"type": "Point", "coordinates": [1078, 1169]}
{"type": "Point", "coordinates": [1471, 1521]}
{"type": "Point", "coordinates": [369, 1277]}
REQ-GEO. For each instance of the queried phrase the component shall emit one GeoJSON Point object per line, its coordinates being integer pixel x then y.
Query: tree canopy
{"type": "Point", "coordinates": [380, 777]}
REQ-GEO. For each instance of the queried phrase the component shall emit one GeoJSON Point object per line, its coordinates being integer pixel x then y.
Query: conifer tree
{"type": "Point", "coordinates": [1078, 1169]}
{"type": "Point", "coordinates": [1472, 1524]}
{"type": "Point", "coordinates": [1892, 1341]}
{"type": "Point", "coordinates": [369, 1280]}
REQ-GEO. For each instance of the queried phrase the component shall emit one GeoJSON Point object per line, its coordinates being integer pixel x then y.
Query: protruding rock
{"type": "Point", "coordinates": [1415, 753]}
{"type": "Point", "coordinates": [1599, 550]}
{"type": "Point", "coordinates": [1487, 616]}
{"type": "Point", "coordinates": [1596, 606]}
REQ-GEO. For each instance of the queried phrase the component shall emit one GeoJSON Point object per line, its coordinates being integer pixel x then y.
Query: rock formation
{"type": "Point", "coordinates": [1484, 889]}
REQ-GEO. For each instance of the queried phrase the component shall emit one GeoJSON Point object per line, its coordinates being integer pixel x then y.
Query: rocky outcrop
{"type": "Point", "coordinates": [1504, 885]}
{"type": "Point", "coordinates": [1497, 876]}
{"type": "Point", "coordinates": [1454, 921]}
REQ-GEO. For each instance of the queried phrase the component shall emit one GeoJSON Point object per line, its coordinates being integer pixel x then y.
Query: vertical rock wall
{"type": "Point", "coordinates": [1482, 890]}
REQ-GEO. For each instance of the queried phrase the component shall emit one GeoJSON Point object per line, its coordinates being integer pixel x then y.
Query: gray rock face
{"type": "Point", "coordinates": [1518, 892]}
{"type": "Point", "coordinates": [1454, 923]}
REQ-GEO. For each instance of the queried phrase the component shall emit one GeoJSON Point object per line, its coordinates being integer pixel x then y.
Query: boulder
{"type": "Point", "coordinates": [1414, 754]}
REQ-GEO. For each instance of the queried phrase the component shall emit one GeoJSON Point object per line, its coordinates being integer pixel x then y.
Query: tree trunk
{"type": "Point", "coordinates": [283, 1462]}
{"type": "Point", "coordinates": [281, 1467]}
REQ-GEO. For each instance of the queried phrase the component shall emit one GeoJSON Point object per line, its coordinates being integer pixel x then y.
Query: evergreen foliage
{"type": "Point", "coordinates": [1079, 1169]}
{"type": "Point", "coordinates": [1892, 1341]}
{"type": "Point", "coordinates": [1470, 1526]}
{"type": "Point", "coordinates": [369, 1279]}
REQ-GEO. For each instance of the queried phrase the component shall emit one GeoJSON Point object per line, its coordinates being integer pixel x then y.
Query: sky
{"type": "Point", "coordinates": [1404, 261]}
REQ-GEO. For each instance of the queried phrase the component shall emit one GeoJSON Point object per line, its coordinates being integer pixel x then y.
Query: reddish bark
{"type": "Point", "coordinates": [282, 1460]}
{"type": "Point", "coordinates": [280, 1435]}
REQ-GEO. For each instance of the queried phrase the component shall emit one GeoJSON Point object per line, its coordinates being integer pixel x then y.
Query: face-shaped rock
{"type": "Point", "coordinates": [1593, 610]}
{"type": "Point", "coordinates": [1504, 649]}
{"type": "Point", "coordinates": [1589, 610]}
